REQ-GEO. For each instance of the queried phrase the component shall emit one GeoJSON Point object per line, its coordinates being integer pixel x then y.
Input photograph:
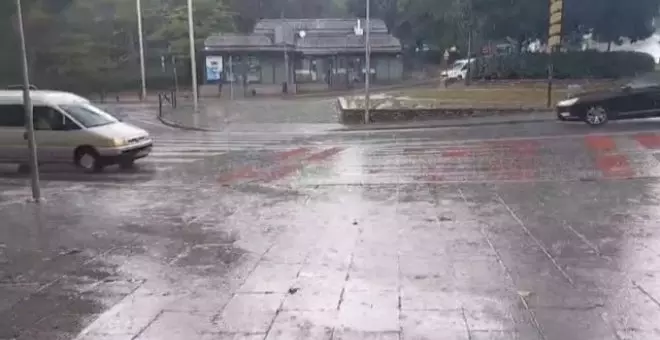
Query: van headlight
{"type": "Point", "coordinates": [568, 102]}
{"type": "Point", "coordinates": [118, 142]}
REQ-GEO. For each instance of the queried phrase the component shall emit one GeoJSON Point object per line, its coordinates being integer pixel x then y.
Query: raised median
{"type": "Point", "coordinates": [479, 100]}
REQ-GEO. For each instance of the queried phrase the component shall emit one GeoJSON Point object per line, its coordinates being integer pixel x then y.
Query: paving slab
{"type": "Point", "coordinates": [413, 236]}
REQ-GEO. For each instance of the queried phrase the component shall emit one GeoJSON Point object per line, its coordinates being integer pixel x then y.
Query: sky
{"type": "Point", "coordinates": [650, 46]}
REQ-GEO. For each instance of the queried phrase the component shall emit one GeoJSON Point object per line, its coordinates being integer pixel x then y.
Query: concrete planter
{"type": "Point", "coordinates": [389, 109]}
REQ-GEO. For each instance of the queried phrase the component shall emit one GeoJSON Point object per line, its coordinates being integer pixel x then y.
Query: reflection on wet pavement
{"type": "Point", "coordinates": [413, 239]}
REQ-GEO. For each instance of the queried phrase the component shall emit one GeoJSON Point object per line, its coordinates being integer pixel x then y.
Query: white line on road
{"type": "Point", "coordinates": [156, 159]}
{"type": "Point", "coordinates": [190, 148]}
{"type": "Point", "coordinates": [184, 154]}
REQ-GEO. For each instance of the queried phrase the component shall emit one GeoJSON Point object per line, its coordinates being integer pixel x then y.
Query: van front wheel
{"type": "Point", "coordinates": [88, 159]}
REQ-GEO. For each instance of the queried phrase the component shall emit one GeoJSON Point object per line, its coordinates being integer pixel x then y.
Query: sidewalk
{"type": "Point", "coordinates": [311, 116]}
{"type": "Point", "coordinates": [194, 259]}
{"type": "Point", "coordinates": [152, 96]}
{"type": "Point", "coordinates": [258, 115]}
{"type": "Point", "coordinates": [495, 119]}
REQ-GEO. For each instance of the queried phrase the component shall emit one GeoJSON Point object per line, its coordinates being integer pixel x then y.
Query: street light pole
{"type": "Point", "coordinates": [193, 59]}
{"type": "Point", "coordinates": [27, 102]}
{"type": "Point", "coordinates": [143, 73]}
{"type": "Point", "coordinates": [367, 71]}
{"type": "Point", "coordinates": [231, 78]}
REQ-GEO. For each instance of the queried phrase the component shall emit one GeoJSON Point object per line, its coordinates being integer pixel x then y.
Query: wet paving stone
{"type": "Point", "coordinates": [249, 313]}
{"type": "Point", "coordinates": [426, 237]}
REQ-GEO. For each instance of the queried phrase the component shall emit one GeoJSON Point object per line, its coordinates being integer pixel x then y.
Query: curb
{"type": "Point", "coordinates": [436, 124]}
{"type": "Point", "coordinates": [335, 94]}
{"type": "Point", "coordinates": [175, 125]}
{"type": "Point", "coordinates": [356, 116]}
{"type": "Point", "coordinates": [436, 117]}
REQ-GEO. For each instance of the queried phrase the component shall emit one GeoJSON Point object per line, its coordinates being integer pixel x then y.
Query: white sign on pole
{"type": "Point", "coordinates": [213, 68]}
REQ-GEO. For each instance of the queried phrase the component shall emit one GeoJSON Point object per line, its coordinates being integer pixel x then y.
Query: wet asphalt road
{"type": "Point", "coordinates": [530, 231]}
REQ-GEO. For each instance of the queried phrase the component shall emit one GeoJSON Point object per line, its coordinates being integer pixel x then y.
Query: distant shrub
{"type": "Point", "coordinates": [568, 65]}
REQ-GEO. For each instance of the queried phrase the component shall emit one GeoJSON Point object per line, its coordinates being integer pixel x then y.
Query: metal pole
{"type": "Point", "coordinates": [231, 78]}
{"type": "Point", "coordinates": [286, 69]}
{"type": "Point", "coordinates": [176, 76]}
{"type": "Point", "coordinates": [468, 72]}
{"type": "Point", "coordinates": [367, 71]}
{"type": "Point", "coordinates": [27, 102]}
{"type": "Point", "coordinates": [551, 71]}
{"type": "Point", "coordinates": [143, 92]}
{"type": "Point", "coordinates": [193, 60]}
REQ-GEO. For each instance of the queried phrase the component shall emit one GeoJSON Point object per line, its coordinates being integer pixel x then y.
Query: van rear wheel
{"type": "Point", "coordinates": [88, 159]}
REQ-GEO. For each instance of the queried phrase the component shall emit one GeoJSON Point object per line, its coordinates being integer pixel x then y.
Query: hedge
{"type": "Point", "coordinates": [584, 64]}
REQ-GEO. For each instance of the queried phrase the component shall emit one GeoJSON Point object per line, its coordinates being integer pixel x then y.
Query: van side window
{"type": "Point", "coordinates": [69, 124]}
{"type": "Point", "coordinates": [48, 118]}
{"type": "Point", "coordinates": [12, 116]}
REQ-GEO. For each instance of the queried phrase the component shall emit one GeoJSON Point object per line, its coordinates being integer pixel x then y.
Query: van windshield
{"type": "Point", "coordinates": [88, 115]}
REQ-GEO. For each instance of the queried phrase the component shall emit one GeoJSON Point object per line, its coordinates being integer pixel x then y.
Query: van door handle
{"type": "Point", "coordinates": [25, 135]}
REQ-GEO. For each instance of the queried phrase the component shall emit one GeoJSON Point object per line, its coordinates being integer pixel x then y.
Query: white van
{"type": "Point", "coordinates": [458, 70]}
{"type": "Point", "coordinates": [68, 129]}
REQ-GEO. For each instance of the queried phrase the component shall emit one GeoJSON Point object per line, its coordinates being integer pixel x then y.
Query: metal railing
{"type": "Point", "coordinates": [166, 99]}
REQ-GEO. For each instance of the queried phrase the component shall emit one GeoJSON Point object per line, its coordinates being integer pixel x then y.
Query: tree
{"type": "Point", "coordinates": [39, 16]}
{"type": "Point", "coordinates": [412, 21]}
{"type": "Point", "coordinates": [166, 23]}
{"type": "Point", "coordinates": [612, 20]}
{"type": "Point", "coordinates": [520, 20]}
{"type": "Point", "coordinates": [247, 12]}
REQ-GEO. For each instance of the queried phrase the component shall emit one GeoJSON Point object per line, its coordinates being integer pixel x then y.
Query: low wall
{"type": "Point", "coordinates": [350, 116]}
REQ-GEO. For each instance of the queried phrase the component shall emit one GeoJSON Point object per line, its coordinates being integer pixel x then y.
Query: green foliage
{"type": "Point", "coordinates": [167, 23]}
{"type": "Point", "coordinates": [93, 44]}
{"type": "Point", "coordinates": [589, 64]}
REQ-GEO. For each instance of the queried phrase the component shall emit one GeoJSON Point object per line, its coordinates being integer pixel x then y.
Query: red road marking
{"type": "Point", "coordinates": [282, 156]}
{"type": "Point", "coordinates": [513, 160]}
{"type": "Point", "coordinates": [278, 171]}
{"type": "Point", "coordinates": [600, 143]}
{"type": "Point", "coordinates": [325, 154]}
{"type": "Point", "coordinates": [245, 172]}
{"type": "Point", "coordinates": [456, 153]}
{"type": "Point", "coordinates": [252, 171]}
{"type": "Point", "coordinates": [614, 166]}
{"type": "Point", "coordinates": [649, 141]}
{"type": "Point", "coordinates": [286, 170]}
{"type": "Point", "coordinates": [610, 163]}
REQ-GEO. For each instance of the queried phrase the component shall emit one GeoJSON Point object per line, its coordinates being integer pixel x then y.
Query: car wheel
{"type": "Point", "coordinates": [596, 116]}
{"type": "Point", "coordinates": [88, 159]}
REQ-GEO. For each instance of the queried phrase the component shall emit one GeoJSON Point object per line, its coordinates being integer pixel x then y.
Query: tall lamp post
{"type": "Point", "coordinates": [193, 60]}
{"type": "Point", "coordinates": [367, 71]}
{"type": "Point", "coordinates": [27, 102]}
{"type": "Point", "coordinates": [143, 73]}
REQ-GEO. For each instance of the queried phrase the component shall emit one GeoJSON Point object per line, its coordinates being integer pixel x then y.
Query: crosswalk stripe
{"type": "Point", "coordinates": [180, 148]}
{"type": "Point", "coordinates": [170, 160]}
{"type": "Point", "coordinates": [186, 154]}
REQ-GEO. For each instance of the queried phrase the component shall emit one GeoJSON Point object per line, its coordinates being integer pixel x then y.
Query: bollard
{"type": "Point", "coordinates": [160, 105]}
